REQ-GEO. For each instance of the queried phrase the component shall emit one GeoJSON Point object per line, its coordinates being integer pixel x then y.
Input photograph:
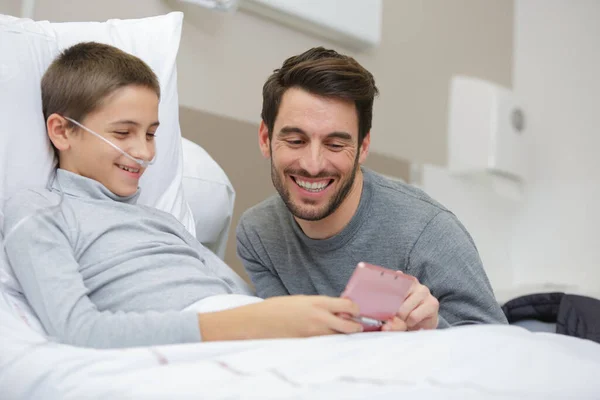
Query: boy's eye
{"type": "Point", "coordinates": [150, 135]}
{"type": "Point", "coordinates": [121, 132]}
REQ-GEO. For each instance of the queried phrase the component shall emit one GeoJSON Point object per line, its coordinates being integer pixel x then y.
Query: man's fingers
{"type": "Point", "coordinates": [425, 310]}
{"type": "Point", "coordinates": [410, 303]}
{"type": "Point", "coordinates": [395, 324]}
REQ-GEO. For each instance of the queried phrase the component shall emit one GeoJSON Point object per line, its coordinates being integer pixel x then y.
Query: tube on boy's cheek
{"type": "Point", "coordinates": [142, 163]}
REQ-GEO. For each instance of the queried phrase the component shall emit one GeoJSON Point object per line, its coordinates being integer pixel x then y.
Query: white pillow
{"type": "Point", "coordinates": [26, 50]}
{"type": "Point", "coordinates": [210, 196]}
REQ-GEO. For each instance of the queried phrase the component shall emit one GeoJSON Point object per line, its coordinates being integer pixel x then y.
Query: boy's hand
{"type": "Point", "coordinates": [419, 310]}
{"type": "Point", "coordinates": [281, 317]}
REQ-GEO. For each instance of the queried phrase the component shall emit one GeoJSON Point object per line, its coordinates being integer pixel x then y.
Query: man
{"type": "Point", "coordinates": [332, 213]}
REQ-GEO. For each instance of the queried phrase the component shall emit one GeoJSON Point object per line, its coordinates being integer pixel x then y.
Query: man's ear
{"type": "Point", "coordinates": [58, 131]}
{"type": "Point", "coordinates": [263, 140]}
{"type": "Point", "coordinates": [364, 148]}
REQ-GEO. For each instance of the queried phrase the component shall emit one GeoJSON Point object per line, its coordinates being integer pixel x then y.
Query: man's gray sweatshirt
{"type": "Point", "coordinates": [396, 226]}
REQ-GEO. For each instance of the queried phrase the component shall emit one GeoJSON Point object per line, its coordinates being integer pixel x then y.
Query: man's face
{"type": "Point", "coordinates": [128, 118]}
{"type": "Point", "coordinates": [314, 152]}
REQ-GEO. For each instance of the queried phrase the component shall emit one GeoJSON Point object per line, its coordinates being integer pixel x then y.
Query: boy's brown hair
{"type": "Point", "coordinates": [82, 76]}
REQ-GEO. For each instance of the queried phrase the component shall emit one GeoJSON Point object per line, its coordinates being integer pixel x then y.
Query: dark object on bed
{"type": "Point", "coordinates": [572, 315]}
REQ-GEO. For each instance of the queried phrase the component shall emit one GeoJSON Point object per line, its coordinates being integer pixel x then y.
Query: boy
{"type": "Point", "coordinates": [100, 270]}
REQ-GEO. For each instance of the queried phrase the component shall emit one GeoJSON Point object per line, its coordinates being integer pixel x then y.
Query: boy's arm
{"type": "Point", "coordinates": [265, 280]}
{"type": "Point", "coordinates": [281, 317]}
{"type": "Point", "coordinates": [41, 255]}
{"type": "Point", "coordinates": [445, 258]}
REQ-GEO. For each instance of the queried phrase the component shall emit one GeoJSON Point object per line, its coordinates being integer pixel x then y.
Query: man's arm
{"type": "Point", "coordinates": [444, 258]}
{"type": "Point", "coordinates": [265, 280]}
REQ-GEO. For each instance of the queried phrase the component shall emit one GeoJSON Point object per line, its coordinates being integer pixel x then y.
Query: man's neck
{"type": "Point", "coordinates": [337, 221]}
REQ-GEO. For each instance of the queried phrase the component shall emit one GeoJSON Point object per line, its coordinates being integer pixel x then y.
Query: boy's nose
{"type": "Point", "coordinates": [143, 150]}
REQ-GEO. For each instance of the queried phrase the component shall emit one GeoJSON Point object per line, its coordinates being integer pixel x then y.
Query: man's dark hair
{"type": "Point", "coordinates": [325, 73]}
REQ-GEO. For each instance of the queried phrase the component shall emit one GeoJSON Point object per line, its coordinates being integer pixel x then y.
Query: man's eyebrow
{"type": "Point", "coordinates": [131, 122]}
{"type": "Point", "coordinates": [340, 135]}
{"type": "Point", "coordinates": [289, 130]}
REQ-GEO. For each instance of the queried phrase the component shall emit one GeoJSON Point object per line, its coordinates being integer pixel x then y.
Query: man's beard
{"type": "Point", "coordinates": [315, 214]}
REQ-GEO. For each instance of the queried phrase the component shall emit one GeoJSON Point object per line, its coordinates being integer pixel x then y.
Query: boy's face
{"type": "Point", "coordinates": [128, 118]}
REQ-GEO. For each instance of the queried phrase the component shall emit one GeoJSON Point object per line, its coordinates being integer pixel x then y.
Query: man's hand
{"type": "Point", "coordinates": [281, 317]}
{"type": "Point", "coordinates": [419, 310]}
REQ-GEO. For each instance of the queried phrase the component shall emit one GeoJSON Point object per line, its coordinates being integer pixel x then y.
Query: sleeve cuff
{"type": "Point", "coordinates": [190, 328]}
{"type": "Point", "coordinates": [442, 323]}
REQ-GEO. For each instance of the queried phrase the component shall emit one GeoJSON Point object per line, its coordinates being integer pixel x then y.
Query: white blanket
{"type": "Point", "coordinates": [472, 362]}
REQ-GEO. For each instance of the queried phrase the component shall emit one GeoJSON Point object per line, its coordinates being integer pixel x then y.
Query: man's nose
{"type": "Point", "coordinates": [312, 161]}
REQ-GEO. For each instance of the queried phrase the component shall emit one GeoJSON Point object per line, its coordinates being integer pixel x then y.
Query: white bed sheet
{"type": "Point", "coordinates": [473, 362]}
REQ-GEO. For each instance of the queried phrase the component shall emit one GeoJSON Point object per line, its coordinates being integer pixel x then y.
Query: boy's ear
{"type": "Point", "coordinates": [263, 140]}
{"type": "Point", "coordinates": [57, 127]}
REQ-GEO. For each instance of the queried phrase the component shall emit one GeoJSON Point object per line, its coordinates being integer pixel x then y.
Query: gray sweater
{"type": "Point", "coordinates": [101, 271]}
{"type": "Point", "coordinates": [396, 226]}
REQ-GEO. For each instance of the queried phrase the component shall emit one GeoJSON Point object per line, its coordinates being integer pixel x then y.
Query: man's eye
{"type": "Point", "coordinates": [295, 142]}
{"type": "Point", "coordinates": [335, 146]}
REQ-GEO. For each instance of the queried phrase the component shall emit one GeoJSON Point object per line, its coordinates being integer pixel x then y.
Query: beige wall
{"type": "Point", "coordinates": [423, 44]}
{"type": "Point", "coordinates": [225, 58]}
{"type": "Point", "coordinates": [10, 7]}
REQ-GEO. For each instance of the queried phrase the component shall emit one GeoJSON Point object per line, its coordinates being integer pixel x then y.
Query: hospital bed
{"type": "Point", "coordinates": [469, 362]}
